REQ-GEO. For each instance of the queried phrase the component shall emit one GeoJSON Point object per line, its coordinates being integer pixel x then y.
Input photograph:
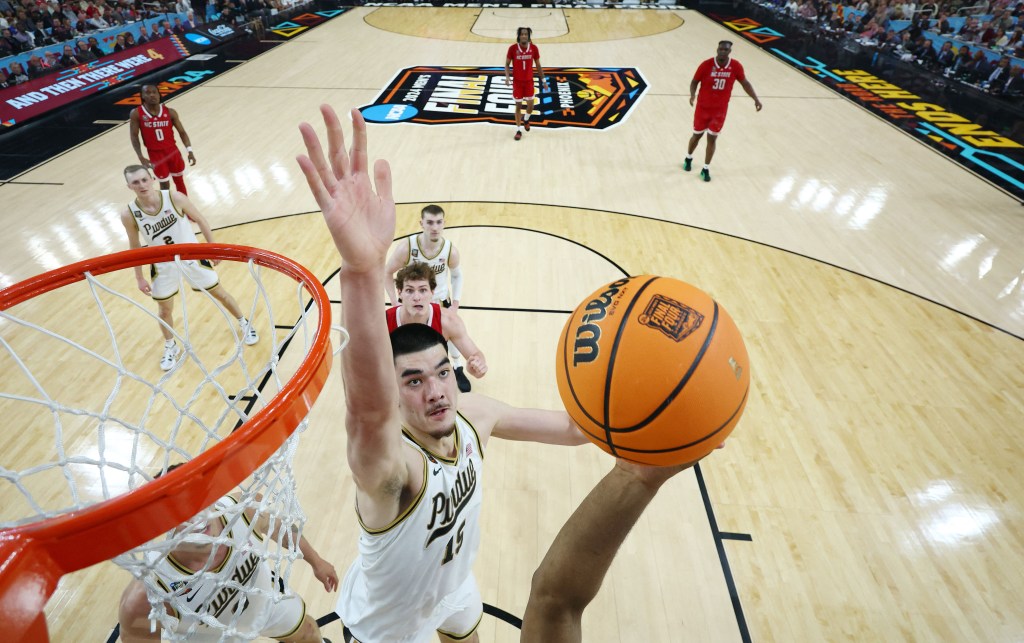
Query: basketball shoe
{"type": "Point", "coordinates": [705, 174]}
{"type": "Point", "coordinates": [687, 165]}
{"type": "Point", "coordinates": [526, 125]}
{"type": "Point", "coordinates": [519, 135]}
{"type": "Point", "coordinates": [462, 380]}
{"type": "Point", "coordinates": [249, 335]}
{"type": "Point", "coordinates": [170, 357]}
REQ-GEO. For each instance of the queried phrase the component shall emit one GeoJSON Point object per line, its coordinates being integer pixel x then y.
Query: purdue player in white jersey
{"type": "Point", "coordinates": [430, 247]}
{"type": "Point", "coordinates": [255, 610]}
{"type": "Point", "coordinates": [421, 487]}
{"type": "Point", "coordinates": [160, 217]}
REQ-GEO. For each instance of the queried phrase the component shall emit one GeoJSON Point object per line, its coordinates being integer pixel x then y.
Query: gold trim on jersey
{"type": "Point", "coordinates": [444, 242]}
{"type": "Point", "coordinates": [463, 637]}
{"type": "Point", "coordinates": [297, 625]}
{"type": "Point", "coordinates": [158, 210]}
{"type": "Point", "coordinates": [168, 606]}
{"type": "Point", "coordinates": [442, 458]}
{"type": "Point", "coordinates": [189, 572]}
{"type": "Point", "coordinates": [402, 516]}
{"type": "Point", "coordinates": [479, 442]}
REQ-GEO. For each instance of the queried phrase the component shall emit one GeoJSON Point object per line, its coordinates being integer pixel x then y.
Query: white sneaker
{"type": "Point", "coordinates": [249, 335]}
{"type": "Point", "coordinates": [170, 357]}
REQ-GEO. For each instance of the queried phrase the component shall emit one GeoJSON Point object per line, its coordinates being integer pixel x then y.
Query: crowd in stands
{"type": "Point", "coordinates": [30, 25]}
{"type": "Point", "coordinates": [981, 44]}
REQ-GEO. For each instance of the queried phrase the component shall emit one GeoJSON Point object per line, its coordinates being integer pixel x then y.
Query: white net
{"type": "Point", "coordinates": [96, 417]}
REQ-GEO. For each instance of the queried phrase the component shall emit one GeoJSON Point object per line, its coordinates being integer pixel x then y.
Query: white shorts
{"type": "Point", "coordinates": [460, 612]}
{"type": "Point", "coordinates": [263, 615]}
{"type": "Point", "coordinates": [199, 275]}
{"type": "Point", "coordinates": [457, 616]}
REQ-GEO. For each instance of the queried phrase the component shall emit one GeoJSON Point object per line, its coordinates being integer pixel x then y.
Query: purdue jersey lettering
{"type": "Point", "coordinates": [406, 569]}
{"type": "Point", "coordinates": [438, 263]}
{"type": "Point", "coordinates": [165, 226]}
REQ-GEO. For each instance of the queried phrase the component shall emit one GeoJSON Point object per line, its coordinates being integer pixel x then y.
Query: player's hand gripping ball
{"type": "Point", "coordinates": [653, 370]}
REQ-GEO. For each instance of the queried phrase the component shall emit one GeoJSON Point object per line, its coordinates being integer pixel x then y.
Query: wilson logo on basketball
{"type": "Point", "coordinates": [588, 335]}
{"type": "Point", "coordinates": [675, 319]}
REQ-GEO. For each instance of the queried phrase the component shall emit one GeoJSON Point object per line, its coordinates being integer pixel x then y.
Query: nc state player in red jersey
{"type": "Point", "coordinates": [416, 283]}
{"type": "Point", "coordinates": [157, 123]}
{"type": "Point", "coordinates": [715, 77]}
{"type": "Point", "coordinates": [520, 60]}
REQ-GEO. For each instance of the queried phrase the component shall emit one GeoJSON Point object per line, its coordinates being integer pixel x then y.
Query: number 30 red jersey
{"type": "Point", "coordinates": [716, 84]}
{"type": "Point", "coordinates": [157, 131]}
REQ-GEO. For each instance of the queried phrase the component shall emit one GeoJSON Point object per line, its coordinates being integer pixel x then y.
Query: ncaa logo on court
{"type": "Point", "coordinates": [580, 97]}
{"type": "Point", "coordinates": [389, 113]}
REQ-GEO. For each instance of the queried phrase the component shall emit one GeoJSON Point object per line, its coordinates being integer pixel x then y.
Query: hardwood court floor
{"type": "Point", "coordinates": [875, 467]}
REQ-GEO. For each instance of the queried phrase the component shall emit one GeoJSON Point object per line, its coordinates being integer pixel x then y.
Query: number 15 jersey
{"type": "Point", "coordinates": [406, 569]}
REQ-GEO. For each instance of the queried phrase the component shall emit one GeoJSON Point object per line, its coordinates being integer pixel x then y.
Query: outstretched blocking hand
{"type": "Point", "coordinates": [361, 221]}
{"type": "Point", "coordinates": [654, 476]}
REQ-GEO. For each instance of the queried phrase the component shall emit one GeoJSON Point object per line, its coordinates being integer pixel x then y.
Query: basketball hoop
{"type": "Point", "coordinates": [35, 555]}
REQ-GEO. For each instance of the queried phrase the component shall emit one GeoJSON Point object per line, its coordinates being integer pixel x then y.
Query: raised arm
{"type": "Point", "coordinates": [455, 332]}
{"type": "Point", "coordinates": [323, 570]}
{"type": "Point", "coordinates": [576, 563]}
{"type": "Point", "coordinates": [399, 257]}
{"type": "Point", "coordinates": [176, 121]}
{"type": "Point", "coordinates": [492, 417]}
{"type": "Point", "coordinates": [747, 87]}
{"type": "Point", "coordinates": [362, 224]}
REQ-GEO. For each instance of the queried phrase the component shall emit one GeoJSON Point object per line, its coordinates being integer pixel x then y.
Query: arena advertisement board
{"type": "Point", "coordinates": [579, 97]}
{"type": "Point", "coordinates": [204, 37]}
{"type": "Point", "coordinates": [36, 97]}
{"type": "Point", "coordinates": [989, 154]}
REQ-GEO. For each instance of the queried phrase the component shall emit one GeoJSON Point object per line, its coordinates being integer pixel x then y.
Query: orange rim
{"type": "Point", "coordinates": [34, 556]}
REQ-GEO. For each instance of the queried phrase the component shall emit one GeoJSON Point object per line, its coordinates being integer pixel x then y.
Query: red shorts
{"type": "Point", "coordinates": [708, 120]}
{"type": "Point", "coordinates": [522, 89]}
{"type": "Point", "coordinates": [167, 163]}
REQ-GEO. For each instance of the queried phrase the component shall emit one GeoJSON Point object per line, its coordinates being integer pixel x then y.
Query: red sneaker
{"type": "Point", "coordinates": [519, 135]}
{"type": "Point", "coordinates": [526, 125]}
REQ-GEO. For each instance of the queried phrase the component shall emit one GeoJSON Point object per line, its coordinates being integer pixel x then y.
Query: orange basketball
{"type": "Point", "coordinates": [653, 370]}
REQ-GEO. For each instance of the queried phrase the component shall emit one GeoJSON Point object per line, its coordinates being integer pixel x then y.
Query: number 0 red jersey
{"type": "Point", "coordinates": [157, 131]}
{"type": "Point", "coordinates": [716, 83]}
{"type": "Point", "coordinates": [522, 60]}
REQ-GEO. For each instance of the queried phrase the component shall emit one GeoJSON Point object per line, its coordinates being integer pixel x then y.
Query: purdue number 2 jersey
{"type": "Point", "coordinates": [405, 570]}
{"type": "Point", "coordinates": [198, 594]}
{"type": "Point", "coordinates": [438, 263]}
{"type": "Point", "coordinates": [165, 226]}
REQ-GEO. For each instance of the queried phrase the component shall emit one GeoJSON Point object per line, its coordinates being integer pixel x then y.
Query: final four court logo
{"type": "Point", "coordinates": [588, 97]}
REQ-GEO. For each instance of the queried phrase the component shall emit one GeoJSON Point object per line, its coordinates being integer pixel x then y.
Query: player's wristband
{"type": "Point", "coordinates": [188, 149]}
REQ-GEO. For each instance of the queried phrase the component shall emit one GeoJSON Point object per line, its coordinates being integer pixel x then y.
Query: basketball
{"type": "Point", "coordinates": [653, 370]}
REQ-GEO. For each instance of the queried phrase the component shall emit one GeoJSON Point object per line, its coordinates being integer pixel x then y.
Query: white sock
{"type": "Point", "coordinates": [707, 166]}
{"type": "Point", "coordinates": [689, 157]}
{"type": "Point", "coordinates": [526, 118]}
{"type": "Point", "coordinates": [169, 343]}
{"type": "Point", "coordinates": [243, 321]}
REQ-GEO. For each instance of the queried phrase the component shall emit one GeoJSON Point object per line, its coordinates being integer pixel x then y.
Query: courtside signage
{"type": "Point", "coordinates": [36, 97]}
{"type": "Point", "coordinates": [983, 151]}
{"type": "Point", "coordinates": [581, 97]}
